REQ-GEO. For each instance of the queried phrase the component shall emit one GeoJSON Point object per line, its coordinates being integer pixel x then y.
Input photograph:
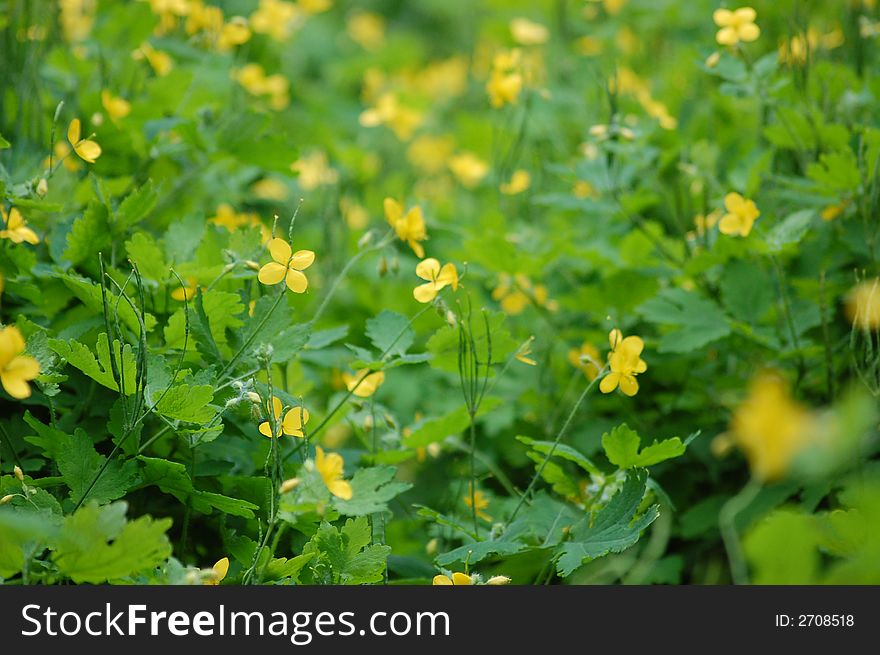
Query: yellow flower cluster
{"type": "Point", "coordinates": [517, 292]}
{"type": "Point", "coordinates": [254, 79]}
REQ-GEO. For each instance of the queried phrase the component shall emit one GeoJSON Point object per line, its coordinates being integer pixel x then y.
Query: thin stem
{"type": "Point", "coordinates": [727, 525]}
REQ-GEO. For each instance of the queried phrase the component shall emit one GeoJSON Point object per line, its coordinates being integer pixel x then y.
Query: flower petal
{"type": "Point", "coordinates": [441, 581]}
{"type": "Point", "coordinates": [448, 275]}
{"type": "Point", "coordinates": [730, 224]}
{"type": "Point", "coordinates": [428, 269]}
{"type": "Point", "coordinates": [296, 281]}
{"type": "Point", "coordinates": [302, 259]}
{"type": "Point", "coordinates": [749, 32]}
{"type": "Point", "coordinates": [745, 15]}
{"type": "Point", "coordinates": [74, 130]}
{"type": "Point", "coordinates": [425, 292]}
{"type": "Point", "coordinates": [727, 36]}
{"type": "Point", "coordinates": [272, 273]}
{"type": "Point", "coordinates": [628, 385]}
{"type": "Point", "coordinates": [88, 150]}
{"type": "Point", "coordinates": [280, 250]}
{"type": "Point", "coordinates": [393, 210]}
{"type": "Point", "coordinates": [609, 382]}
{"type": "Point", "coordinates": [266, 429]}
{"type": "Point", "coordinates": [734, 202]}
{"type": "Point", "coordinates": [461, 579]}
{"type": "Point", "coordinates": [340, 489]}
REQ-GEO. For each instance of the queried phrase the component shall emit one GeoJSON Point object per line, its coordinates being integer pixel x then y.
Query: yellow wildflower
{"type": "Point", "coordinates": [218, 572]}
{"type": "Point", "coordinates": [186, 292]}
{"type": "Point", "coordinates": [468, 169]}
{"type": "Point", "coordinates": [409, 227]}
{"type": "Point", "coordinates": [159, 61]}
{"type": "Point", "coordinates": [330, 466]}
{"type": "Point", "coordinates": [86, 149]}
{"type": "Point", "coordinates": [15, 227]}
{"type": "Point", "coordinates": [770, 427]}
{"type": "Point", "coordinates": [625, 363]}
{"type": "Point", "coordinates": [863, 305]}
{"type": "Point", "coordinates": [364, 383]}
{"type": "Point", "coordinates": [457, 579]}
{"type": "Point", "coordinates": [287, 266]}
{"type": "Point", "coordinates": [292, 424]}
{"type": "Point", "coordinates": [480, 502]}
{"type": "Point", "coordinates": [527, 32]}
{"type": "Point", "coordinates": [833, 211]}
{"type": "Point", "coordinates": [270, 188]}
{"type": "Point", "coordinates": [234, 33]}
{"type": "Point", "coordinates": [736, 26]}
{"type": "Point", "coordinates": [16, 370]}
{"type": "Point", "coordinates": [402, 120]}
{"type": "Point", "coordinates": [276, 18]}
{"type": "Point", "coordinates": [586, 359]}
{"type": "Point", "coordinates": [314, 171]}
{"type": "Point", "coordinates": [740, 217]}
{"type": "Point", "coordinates": [437, 278]}
{"type": "Point", "coordinates": [366, 28]}
{"type": "Point", "coordinates": [519, 182]}
{"type": "Point", "coordinates": [506, 79]}
{"type": "Point", "coordinates": [430, 153]}
{"type": "Point", "coordinates": [115, 106]}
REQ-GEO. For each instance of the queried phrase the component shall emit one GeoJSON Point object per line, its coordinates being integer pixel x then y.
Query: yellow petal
{"type": "Point", "coordinates": [27, 234]}
{"type": "Point", "coordinates": [428, 269]}
{"type": "Point", "coordinates": [631, 347]}
{"type": "Point", "coordinates": [628, 385]}
{"type": "Point", "coordinates": [425, 292]}
{"type": "Point", "coordinates": [277, 406]}
{"type": "Point", "coordinates": [296, 281]}
{"type": "Point", "coordinates": [448, 275]}
{"type": "Point", "coordinates": [266, 429]}
{"type": "Point", "coordinates": [461, 579]}
{"type": "Point", "coordinates": [745, 15]}
{"type": "Point", "coordinates": [340, 489]}
{"type": "Point", "coordinates": [609, 382]}
{"type": "Point", "coordinates": [722, 17]}
{"type": "Point", "coordinates": [221, 568]}
{"type": "Point", "coordinates": [393, 210]}
{"type": "Point", "coordinates": [727, 36]}
{"type": "Point", "coordinates": [441, 580]}
{"type": "Point", "coordinates": [272, 273]}
{"type": "Point", "coordinates": [88, 150]}
{"type": "Point", "coordinates": [615, 337]}
{"type": "Point", "coordinates": [730, 224]}
{"type": "Point", "coordinates": [74, 130]}
{"type": "Point", "coordinates": [302, 259]}
{"type": "Point", "coordinates": [280, 250]}
{"type": "Point", "coordinates": [417, 248]}
{"type": "Point", "coordinates": [11, 344]}
{"type": "Point", "coordinates": [294, 421]}
{"type": "Point", "coordinates": [734, 202]}
{"type": "Point", "coordinates": [749, 32]}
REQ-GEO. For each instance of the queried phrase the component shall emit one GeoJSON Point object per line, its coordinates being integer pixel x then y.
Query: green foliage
{"type": "Point", "coordinates": [345, 556]}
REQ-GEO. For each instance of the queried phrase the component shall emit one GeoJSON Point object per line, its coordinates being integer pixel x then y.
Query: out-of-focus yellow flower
{"type": "Point", "coordinates": [863, 305]}
{"type": "Point", "coordinates": [402, 120]}
{"type": "Point", "coordinates": [770, 427]}
{"type": "Point", "coordinates": [186, 292]}
{"type": "Point", "coordinates": [583, 189]}
{"type": "Point", "coordinates": [159, 61]}
{"type": "Point", "coordinates": [526, 32]}
{"type": "Point", "coordinates": [15, 227]}
{"type": "Point", "coordinates": [234, 33]}
{"type": "Point", "coordinates": [736, 26]}
{"type": "Point", "coordinates": [276, 18]}
{"type": "Point", "coordinates": [61, 152]}
{"type": "Point", "coordinates": [457, 579]}
{"type": "Point", "coordinates": [314, 171]}
{"type": "Point", "coordinates": [218, 572]}
{"type": "Point", "coordinates": [76, 18]}
{"type": "Point", "coordinates": [625, 363]}
{"type": "Point", "coordinates": [232, 220]}
{"type": "Point", "coordinates": [506, 79]}
{"type": "Point", "coordinates": [447, 78]}
{"type": "Point", "coordinates": [364, 383]}
{"type": "Point", "coordinates": [16, 369]}
{"type": "Point", "coordinates": [287, 266]}
{"type": "Point", "coordinates": [86, 149]}
{"type": "Point", "coordinates": [292, 424]}
{"type": "Point", "coordinates": [468, 169]}
{"type": "Point", "coordinates": [437, 279]}
{"type": "Point", "coordinates": [517, 291]}
{"type": "Point", "coordinates": [254, 79]}
{"type": "Point", "coordinates": [588, 46]}
{"type": "Point", "coordinates": [115, 106]}
{"type": "Point", "coordinates": [355, 215]}
{"type": "Point", "coordinates": [409, 226]}
{"type": "Point", "coordinates": [480, 502]}
{"type": "Point", "coordinates": [270, 188]}
{"type": "Point", "coordinates": [586, 359]}
{"type": "Point", "coordinates": [740, 217]}
{"type": "Point", "coordinates": [314, 6]}
{"type": "Point", "coordinates": [331, 466]}
{"type": "Point", "coordinates": [430, 153]}
{"type": "Point", "coordinates": [519, 182]}
{"type": "Point", "coordinates": [797, 50]}
{"type": "Point", "coordinates": [366, 28]}
{"type": "Point", "coordinates": [834, 211]}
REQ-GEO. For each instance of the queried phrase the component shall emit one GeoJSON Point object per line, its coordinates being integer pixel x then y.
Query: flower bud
{"type": "Point", "coordinates": [18, 473]}
{"type": "Point", "coordinates": [365, 240]}
{"type": "Point", "coordinates": [498, 580]}
{"type": "Point", "coordinates": [289, 485]}
{"type": "Point", "coordinates": [431, 546]}
{"type": "Point", "coordinates": [253, 397]}
{"type": "Point", "coordinates": [251, 264]}
{"type": "Point", "coordinates": [6, 499]}
{"type": "Point", "coordinates": [42, 187]}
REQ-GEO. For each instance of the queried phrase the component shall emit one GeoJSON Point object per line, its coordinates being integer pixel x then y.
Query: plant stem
{"type": "Point", "coordinates": [727, 525]}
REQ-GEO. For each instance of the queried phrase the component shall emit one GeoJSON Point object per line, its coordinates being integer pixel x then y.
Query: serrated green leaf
{"type": "Point", "coordinates": [699, 320]}
{"type": "Point", "coordinates": [436, 429]}
{"type": "Point", "coordinates": [346, 553]}
{"type": "Point", "coordinates": [563, 451]}
{"type": "Point", "coordinates": [135, 207]}
{"type": "Point", "coordinates": [390, 332]}
{"type": "Point", "coordinates": [478, 551]}
{"type": "Point", "coordinates": [89, 234]}
{"type": "Point", "coordinates": [622, 448]}
{"type": "Point", "coordinates": [184, 402]}
{"type": "Point", "coordinates": [143, 250]}
{"type": "Point", "coordinates": [100, 368]}
{"type": "Point", "coordinates": [372, 489]}
{"type": "Point", "coordinates": [79, 464]}
{"type": "Point", "coordinates": [90, 294]}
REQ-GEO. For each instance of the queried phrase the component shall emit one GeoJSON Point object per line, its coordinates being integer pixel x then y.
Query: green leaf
{"type": "Point", "coordinates": [100, 368]}
{"type": "Point", "coordinates": [443, 345]}
{"type": "Point", "coordinates": [173, 479]}
{"type": "Point", "coordinates": [4, 143]}
{"type": "Point", "coordinates": [622, 448]}
{"type": "Point", "coordinates": [90, 294]}
{"type": "Point", "coordinates": [96, 544]}
{"type": "Point", "coordinates": [616, 527]}
{"type": "Point", "coordinates": [89, 235]}
{"type": "Point", "coordinates": [20, 532]}
{"type": "Point", "coordinates": [437, 429]}
{"type": "Point", "coordinates": [746, 290]}
{"type": "Point", "coordinates": [143, 250]}
{"type": "Point", "coordinates": [135, 207]}
{"type": "Point", "coordinates": [79, 464]}
{"type": "Point", "coordinates": [279, 331]}
{"type": "Point", "coordinates": [563, 451]}
{"type": "Point", "coordinates": [476, 552]}
{"type": "Point", "coordinates": [390, 331]}
{"type": "Point", "coordinates": [345, 555]}
{"type": "Point", "coordinates": [699, 320]}
{"type": "Point", "coordinates": [791, 230]}
{"type": "Point", "coordinates": [184, 402]}
{"type": "Point", "coordinates": [372, 489]}
{"type": "Point", "coordinates": [220, 309]}
{"type": "Point", "coordinates": [782, 549]}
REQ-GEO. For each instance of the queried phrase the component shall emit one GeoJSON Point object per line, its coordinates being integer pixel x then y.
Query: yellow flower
{"type": "Point", "coordinates": [706, 222]}
{"type": "Point", "coordinates": [218, 572]}
{"type": "Point", "coordinates": [586, 359]}
{"type": "Point", "coordinates": [366, 29]}
{"type": "Point", "coordinates": [515, 293]}
{"type": "Point", "coordinates": [364, 383]}
{"type": "Point", "coordinates": [523, 353]}
{"type": "Point", "coordinates": [519, 182]}
{"type": "Point", "coordinates": [159, 61]}
{"type": "Point", "coordinates": [15, 227]}
{"type": "Point", "coordinates": [276, 18]}
{"type": "Point", "coordinates": [736, 25]}
{"type": "Point", "coordinates": [330, 467]}
{"type": "Point", "coordinates": [480, 502]}
{"type": "Point", "coordinates": [506, 79]}
{"type": "Point", "coordinates": [863, 305]}
{"type": "Point", "coordinates": [254, 79]}
{"type": "Point", "coordinates": [87, 149]}
{"type": "Point", "coordinates": [833, 211]}
{"type": "Point", "coordinates": [770, 427]}
{"type": "Point", "coordinates": [115, 106]}
{"type": "Point", "coordinates": [410, 227]}
{"type": "Point", "coordinates": [232, 220]}
{"type": "Point", "coordinates": [437, 278]}
{"type": "Point", "coordinates": [187, 292]}
{"type": "Point", "coordinates": [625, 363]}
{"type": "Point", "coordinates": [740, 217]}
{"type": "Point", "coordinates": [16, 369]}
{"type": "Point", "coordinates": [292, 424]}
{"type": "Point", "coordinates": [270, 188]}
{"type": "Point", "coordinates": [234, 33]}
{"type": "Point", "coordinates": [287, 266]}
{"type": "Point", "coordinates": [430, 153]}
{"type": "Point", "coordinates": [468, 168]}
{"type": "Point", "coordinates": [402, 120]}
{"type": "Point", "coordinates": [458, 579]}
{"type": "Point", "coordinates": [527, 32]}
{"type": "Point", "coordinates": [314, 171]}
